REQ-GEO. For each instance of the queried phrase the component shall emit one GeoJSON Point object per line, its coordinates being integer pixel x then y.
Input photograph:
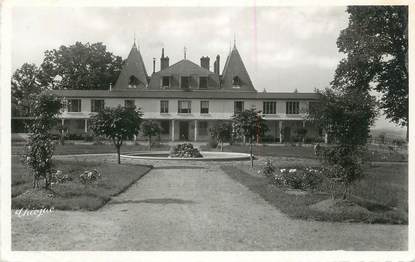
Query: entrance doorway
{"type": "Point", "coordinates": [184, 130]}
{"type": "Point", "coordinates": [286, 135]}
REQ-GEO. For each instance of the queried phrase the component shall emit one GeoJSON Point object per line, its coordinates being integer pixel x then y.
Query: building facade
{"type": "Point", "coordinates": [187, 99]}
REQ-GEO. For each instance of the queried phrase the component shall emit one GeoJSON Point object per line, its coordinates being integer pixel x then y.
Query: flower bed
{"type": "Point", "coordinates": [295, 178]}
{"type": "Point", "coordinates": [185, 150]}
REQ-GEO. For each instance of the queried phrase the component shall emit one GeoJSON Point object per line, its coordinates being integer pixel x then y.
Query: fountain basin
{"type": "Point", "coordinates": [207, 156]}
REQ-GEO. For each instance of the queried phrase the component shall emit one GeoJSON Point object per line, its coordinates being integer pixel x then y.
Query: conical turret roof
{"type": "Point", "coordinates": [235, 71]}
{"type": "Point", "coordinates": [133, 73]}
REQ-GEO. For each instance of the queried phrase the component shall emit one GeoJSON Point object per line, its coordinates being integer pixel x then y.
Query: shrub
{"type": "Point", "coordinates": [398, 141]}
{"type": "Point", "coordinates": [307, 178]}
{"type": "Point", "coordinates": [57, 177]}
{"type": "Point", "coordinates": [89, 176]}
{"type": "Point", "coordinates": [185, 150]}
{"type": "Point", "coordinates": [212, 143]}
{"type": "Point", "coordinates": [88, 137]}
{"type": "Point", "coordinates": [269, 169]}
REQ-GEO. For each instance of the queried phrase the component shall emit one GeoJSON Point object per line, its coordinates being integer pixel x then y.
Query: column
{"type": "Point", "coordinates": [172, 130]}
{"type": "Point", "coordinates": [86, 125]}
{"type": "Point", "coordinates": [326, 137]}
{"type": "Point", "coordinates": [63, 126]}
{"type": "Point", "coordinates": [196, 130]}
{"type": "Point", "coordinates": [280, 129]}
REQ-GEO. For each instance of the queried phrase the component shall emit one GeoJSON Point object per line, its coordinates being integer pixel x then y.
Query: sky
{"type": "Point", "coordinates": [283, 48]}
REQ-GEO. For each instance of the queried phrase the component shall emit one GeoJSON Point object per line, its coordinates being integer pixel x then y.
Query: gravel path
{"type": "Point", "coordinates": [194, 206]}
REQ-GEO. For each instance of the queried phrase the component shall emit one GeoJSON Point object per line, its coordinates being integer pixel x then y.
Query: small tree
{"type": "Point", "coordinates": [221, 132]}
{"type": "Point", "coordinates": [150, 129]}
{"type": "Point", "coordinates": [40, 147]}
{"type": "Point", "coordinates": [251, 125]}
{"type": "Point", "coordinates": [117, 124]}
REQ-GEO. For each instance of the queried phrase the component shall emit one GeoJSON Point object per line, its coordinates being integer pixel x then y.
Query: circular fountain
{"type": "Point", "coordinates": [207, 156]}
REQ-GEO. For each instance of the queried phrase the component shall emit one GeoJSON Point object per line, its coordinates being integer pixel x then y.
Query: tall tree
{"type": "Point", "coordinates": [24, 83]}
{"type": "Point", "coordinates": [251, 125]}
{"type": "Point", "coordinates": [80, 66]}
{"type": "Point", "coordinates": [118, 124]}
{"type": "Point", "coordinates": [376, 45]}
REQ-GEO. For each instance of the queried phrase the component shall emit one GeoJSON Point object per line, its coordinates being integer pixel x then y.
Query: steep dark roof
{"type": "Point", "coordinates": [199, 94]}
{"type": "Point", "coordinates": [234, 67]}
{"type": "Point", "coordinates": [134, 66]}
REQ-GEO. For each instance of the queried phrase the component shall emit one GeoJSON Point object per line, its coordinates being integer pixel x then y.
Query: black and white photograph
{"type": "Point", "coordinates": [199, 127]}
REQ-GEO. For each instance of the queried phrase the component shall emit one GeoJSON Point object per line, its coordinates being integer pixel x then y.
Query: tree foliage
{"type": "Point", "coordinates": [376, 47]}
{"type": "Point", "coordinates": [24, 82]}
{"type": "Point", "coordinates": [249, 124]}
{"type": "Point", "coordinates": [221, 132]}
{"type": "Point", "coordinates": [345, 115]}
{"type": "Point", "coordinates": [40, 147]}
{"type": "Point", "coordinates": [118, 124]}
{"type": "Point", "coordinates": [150, 129]}
{"type": "Point", "coordinates": [80, 66]}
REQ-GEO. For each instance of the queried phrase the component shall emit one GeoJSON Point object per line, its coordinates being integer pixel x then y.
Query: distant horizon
{"type": "Point", "coordinates": [283, 48]}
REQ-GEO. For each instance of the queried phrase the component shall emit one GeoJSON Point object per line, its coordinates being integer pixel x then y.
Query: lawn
{"type": "Point", "coordinates": [374, 154]}
{"type": "Point", "coordinates": [383, 191]}
{"type": "Point", "coordinates": [69, 149]}
{"type": "Point", "coordinates": [73, 195]}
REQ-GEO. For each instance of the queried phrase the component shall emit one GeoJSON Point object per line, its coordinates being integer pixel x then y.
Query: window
{"type": "Point", "coordinates": [74, 105]}
{"type": "Point", "coordinates": [185, 82]}
{"type": "Point", "coordinates": [236, 82]}
{"type": "Point", "coordinates": [269, 108]}
{"type": "Point", "coordinates": [97, 105]}
{"type": "Point", "coordinates": [165, 127]}
{"type": "Point", "coordinates": [166, 82]}
{"type": "Point", "coordinates": [203, 82]}
{"type": "Point", "coordinates": [184, 107]}
{"type": "Point", "coordinates": [129, 103]}
{"type": "Point", "coordinates": [203, 128]}
{"type": "Point", "coordinates": [238, 106]}
{"type": "Point", "coordinates": [204, 107]}
{"type": "Point", "coordinates": [164, 106]}
{"type": "Point", "coordinates": [292, 107]}
{"type": "Point", "coordinates": [133, 82]}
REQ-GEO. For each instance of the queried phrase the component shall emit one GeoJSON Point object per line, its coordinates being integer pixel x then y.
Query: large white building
{"type": "Point", "coordinates": [187, 99]}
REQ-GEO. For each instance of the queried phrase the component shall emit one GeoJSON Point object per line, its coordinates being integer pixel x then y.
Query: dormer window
{"type": "Point", "coordinates": [236, 82]}
{"type": "Point", "coordinates": [165, 82]}
{"type": "Point", "coordinates": [133, 82]}
{"type": "Point", "coordinates": [185, 82]}
{"type": "Point", "coordinates": [203, 82]}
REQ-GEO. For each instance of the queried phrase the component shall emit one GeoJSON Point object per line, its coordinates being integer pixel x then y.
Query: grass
{"type": "Point", "coordinates": [69, 149]}
{"type": "Point", "coordinates": [374, 154]}
{"type": "Point", "coordinates": [383, 191]}
{"type": "Point", "coordinates": [73, 195]}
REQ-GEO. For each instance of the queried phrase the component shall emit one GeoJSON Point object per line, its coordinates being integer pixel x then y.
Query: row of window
{"type": "Point", "coordinates": [185, 82]}
{"type": "Point", "coordinates": [133, 82]}
{"type": "Point", "coordinates": [185, 106]}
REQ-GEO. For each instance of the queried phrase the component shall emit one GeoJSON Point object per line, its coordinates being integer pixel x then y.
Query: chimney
{"type": "Point", "coordinates": [216, 65]}
{"type": "Point", "coordinates": [205, 62]}
{"type": "Point", "coordinates": [154, 65]}
{"type": "Point", "coordinates": [164, 61]}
